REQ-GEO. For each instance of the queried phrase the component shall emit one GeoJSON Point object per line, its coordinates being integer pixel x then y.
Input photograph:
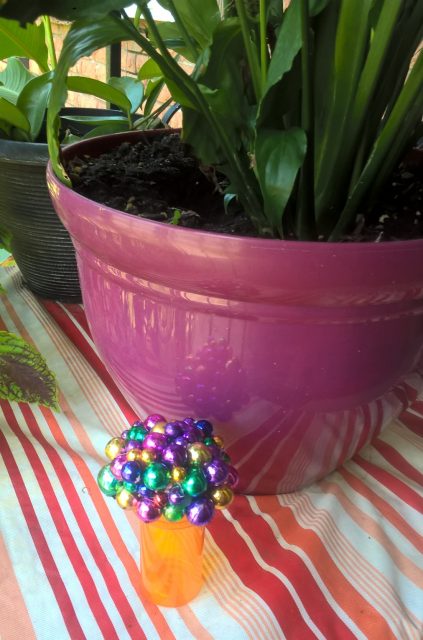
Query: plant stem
{"type": "Point", "coordinates": [263, 43]}
{"type": "Point", "coordinates": [306, 225]}
{"type": "Point", "coordinates": [182, 28]}
{"type": "Point", "coordinates": [137, 17]}
{"type": "Point", "coordinates": [176, 74]}
{"type": "Point", "coordinates": [49, 41]}
{"type": "Point", "coordinates": [249, 48]}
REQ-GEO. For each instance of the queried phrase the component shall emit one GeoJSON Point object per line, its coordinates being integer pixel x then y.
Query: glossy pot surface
{"type": "Point", "coordinates": [299, 352]}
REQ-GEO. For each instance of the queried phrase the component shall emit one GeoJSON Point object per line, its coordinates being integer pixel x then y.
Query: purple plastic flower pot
{"type": "Point", "coordinates": [298, 352]}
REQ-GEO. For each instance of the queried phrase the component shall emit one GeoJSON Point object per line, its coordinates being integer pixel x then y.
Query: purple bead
{"type": "Point", "coordinates": [175, 454]}
{"type": "Point", "coordinates": [144, 492]}
{"type": "Point", "coordinates": [233, 477]}
{"type": "Point", "coordinates": [152, 420]}
{"type": "Point", "coordinates": [200, 512]}
{"type": "Point", "coordinates": [180, 441]}
{"type": "Point", "coordinates": [124, 434]}
{"type": "Point", "coordinates": [189, 421]}
{"type": "Point", "coordinates": [174, 429]}
{"type": "Point", "coordinates": [133, 444]}
{"type": "Point", "coordinates": [205, 427]}
{"type": "Point", "coordinates": [131, 472]}
{"type": "Point", "coordinates": [148, 511]}
{"type": "Point", "coordinates": [117, 464]}
{"type": "Point", "coordinates": [216, 472]}
{"type": "Point", "coordinates": [177, 496]}
{"type": "Point", "coordinates": [138, 423]}
{"type": "Point", "coordinates": [192, 434]}
{"type": "Point", "coordinates": [155, 441]}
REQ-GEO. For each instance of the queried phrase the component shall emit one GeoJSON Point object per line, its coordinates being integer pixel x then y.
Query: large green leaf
{"type": "Point", "coordinates": [132, 88]}
{"type": "Point", "coordinates": [13, 116]}
{"type": "Point", "coordinates": [173, 40]}
{"type": "Point", "coordinates": [149, 70]}
{"type": "Point", "coordinates": [29, 10]}
{"type": "Point", "coordinates": [25, 42]}
{"type": "Point", "coordinates": [13, 79]}
{"type": "Point", "coordinates": [33, 100]}
{"type": "Point", "coordinates": [278, 157]}
{"type": "Point", "coordinates": [24, 373]}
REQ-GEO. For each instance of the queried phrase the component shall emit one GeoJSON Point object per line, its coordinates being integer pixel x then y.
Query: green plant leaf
{"type": "Point", "coordinates": [30, 10]}
{"type": "Point", "coordinates": [13, 79]}
{"type": "Point", "coordinates": [200, 18]}
{"type": "Point", "coordinates": [173, 40]}
{"type": "Point", "coordinates": [132, 88]}
{"type": "Point", "coordinates": [14, 117]}
{"type": "Point", "coordinates": [24, 42]}
{"type": "Point", "coordinates": [94, 121]}
{"type": "Point", "coordinates": [152, 92]}
{"type": "Point", "coordinates": [24, 373]}
{"type": "Point", "coordinates": [33, 100]}
{"type": "Point", "coordinates": [278, 157]}
{"type": "Point", "coordinates": [109, 127]}
{"type": "Point", "coordinates": [100, 89]}
{"type": "Point", "coordinates": [149, 70]}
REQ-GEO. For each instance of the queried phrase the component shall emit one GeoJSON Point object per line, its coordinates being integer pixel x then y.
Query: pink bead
{"type": "Point", "coordinates": [152, 420]}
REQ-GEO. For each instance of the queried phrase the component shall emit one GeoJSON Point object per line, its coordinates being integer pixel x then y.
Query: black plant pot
{"type": "Point", "coordinates": [39, 242]}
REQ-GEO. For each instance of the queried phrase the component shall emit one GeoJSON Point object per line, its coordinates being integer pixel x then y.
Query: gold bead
{"type": "Point", "coordinates": [134, 455]}
{"type": "Point", "coordinates": [178, 474]}
{"type": "Point", "coordinates": [218, 441]}
{"type": "Point", "coordinates": [222, 497]}
{"type": "Point", "coordinates": [125, 499]}
{"type": "Point", "coordinates": [147, 456]}
{"type": "Point", "coordinates": [198, 453]}
{"type": "Point", "coordinates": [114, 447]}
{"type": "Point", "coordinates": [159, 427]}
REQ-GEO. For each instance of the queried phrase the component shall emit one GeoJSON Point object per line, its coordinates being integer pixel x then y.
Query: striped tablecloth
{"type": "Point", "coordinates": [341, 559]}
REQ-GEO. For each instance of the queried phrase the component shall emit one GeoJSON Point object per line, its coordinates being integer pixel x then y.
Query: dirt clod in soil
{"type": "Point", "coordinates": [160, 180]}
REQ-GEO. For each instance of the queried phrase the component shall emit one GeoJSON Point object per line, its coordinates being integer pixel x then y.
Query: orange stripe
{"type": "Point", "coordinates": [372, 528]}
{"type": "Point", "coordinates": [366, 617]}
{"type": "Point", "coordinates": [13, 607]}
{"type": "Point", "coordinates": [193, 624]}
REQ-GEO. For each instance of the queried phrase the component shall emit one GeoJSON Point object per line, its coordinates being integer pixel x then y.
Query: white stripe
{"type": "Point", "coordinates": [278, 574]}
{"type": "Point", "coordinates": [309, 564]}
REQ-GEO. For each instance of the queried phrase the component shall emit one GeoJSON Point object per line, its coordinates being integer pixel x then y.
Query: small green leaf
{"type": "Point", "coordinates": [29, 10]}
{"type": "Point", "coordinates": [101, 90]}
{"type": "Point", "coordinates": [13, 79]}
{"type": "Point", "coordinates": [149, 70]}
{"type": "Point", "coordinates": [24, 373]}
{"type": "Point", "coordinates": [200, 18]}
{"type": "Point", "coordinates": [132, 88]}
{"type": "Point", "coordinates": [278, 157]}
{"type": "Point", "coordinates": [33, 100]}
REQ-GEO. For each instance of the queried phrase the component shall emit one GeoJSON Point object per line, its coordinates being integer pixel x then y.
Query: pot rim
{"type": "Point", "coordinates": [392, 246]}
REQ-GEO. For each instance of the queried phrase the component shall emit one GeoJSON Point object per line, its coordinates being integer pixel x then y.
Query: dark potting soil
{"type": "Point", "coordinates": [160, 180]}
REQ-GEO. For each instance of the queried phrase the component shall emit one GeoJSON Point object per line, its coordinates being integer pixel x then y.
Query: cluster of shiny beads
{"type": "Point", "coordinates": [171, 469]}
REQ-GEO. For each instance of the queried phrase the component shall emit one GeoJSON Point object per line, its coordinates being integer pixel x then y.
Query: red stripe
{"type": "Point", "coordinates": [397, 486]}
{"type": "Point", "coordinates": [292, 566]}
{"type": "Point", "coordinates": [103, 563]}
{"type": "Point", "coordinates": [50, 568]}
{"type": "Point", "coordinates": [82, 344]}
{"type": "Point", "coordinates": [78, 313]}
{"type": "Point", "coordinates": [384, 507]}
{"type": "Point", "coordinates": [413, 422]}
{"type": "Point", "coordinates": [394, 458]}
{"type": "Point", "coordinates": [267, 586]}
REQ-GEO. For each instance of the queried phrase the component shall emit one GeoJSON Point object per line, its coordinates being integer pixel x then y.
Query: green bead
{"type": "Point", "coordinates": [224, 456]}
{"type": "Point", "coordinates": [156, 476]}
{"type": "Point", "coordinates": [137, 433]}
{"type": "Point", "coordinates": [173, 512]}
{"type": "Point", "coordinates": [130, 486]}
{"type": "Point", "coordinates": [195, 483]}
{"type": "Point", "coordinates": [107, 482]}
{"type": "Point", "coordinates": [208, 441]}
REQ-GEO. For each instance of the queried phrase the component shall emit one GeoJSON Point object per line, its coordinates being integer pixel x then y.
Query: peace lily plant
{"type": "Point", "coordinates": [24, 94]}
{"type": "Point", "coordinates": [311, 107]}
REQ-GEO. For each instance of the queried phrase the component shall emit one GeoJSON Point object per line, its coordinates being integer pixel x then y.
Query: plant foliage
{"type": "Point", "coordinates": [310, 107]}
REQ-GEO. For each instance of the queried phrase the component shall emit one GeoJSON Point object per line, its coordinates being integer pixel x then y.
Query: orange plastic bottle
{"type": "Point", "coordinates": [171, 561]}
